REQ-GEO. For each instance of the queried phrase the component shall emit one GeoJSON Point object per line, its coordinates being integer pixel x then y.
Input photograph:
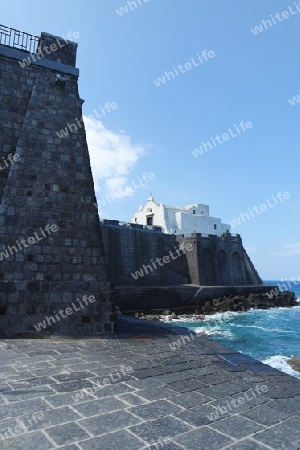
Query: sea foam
{"type": "Point", "coordinates": [280, 362]}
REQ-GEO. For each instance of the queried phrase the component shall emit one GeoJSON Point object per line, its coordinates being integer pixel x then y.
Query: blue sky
{"type": "Point", "coordinates": [155, 129]}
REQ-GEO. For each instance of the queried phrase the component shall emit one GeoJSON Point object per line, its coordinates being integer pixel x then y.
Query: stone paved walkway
{"type": "Point", "coordinates": [147, 388]}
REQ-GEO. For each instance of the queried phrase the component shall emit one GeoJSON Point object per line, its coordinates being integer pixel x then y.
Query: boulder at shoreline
{"type": "Point", "coordinates": [295, 363]}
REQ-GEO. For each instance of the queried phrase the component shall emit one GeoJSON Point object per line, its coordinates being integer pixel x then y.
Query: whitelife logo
{"type": "Point", "coordinates": [284, 287]}
{"type": "Point", "coordinates": [162, 261]}
{"type": "Point", "coordinates": [234, 403]}
{"type": "Point", "coordinates": [205, 146]}
{"type": "Point", "coordinates": [110, 379]}
{"type": "Point", "coordinates": [265, 24]}
{"type": "Point", "coordinates": [168, 76]}
{"type": "Point", "coordinates": [30, 241]}
{"type": "Point", "coordinates": [73, 127]}
{"type": "Point", "coordinates": [125, 10]}
{"type": "Point", "coordinates": [128, 190]}
{"type": "Point", "coordinates": [68, 312]}
{"type": "Point", "coordinates": [294, 100]}
{"type": "Point", "coordinates": [259, 209]}
{"type": "Point", "coordinates": [11, 158]}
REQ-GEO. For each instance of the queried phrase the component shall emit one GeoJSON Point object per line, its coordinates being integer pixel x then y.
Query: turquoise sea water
{"type": "Point", "coordinates": [271, 336]}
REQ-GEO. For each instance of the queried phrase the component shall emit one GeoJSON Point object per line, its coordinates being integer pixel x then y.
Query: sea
{"type": "Point", "coordinates": [271, 336]}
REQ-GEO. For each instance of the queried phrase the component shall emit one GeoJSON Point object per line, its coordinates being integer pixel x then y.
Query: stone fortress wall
{"type": "Point", "coordinates": [49, 184]}
{"type": "Point", "coordinates": [213, 268]}
{"type": "Point", "coordinates": [212, 261]}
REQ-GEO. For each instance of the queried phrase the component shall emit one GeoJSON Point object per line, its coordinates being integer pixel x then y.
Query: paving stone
{"type": "Point", "coordinates": [172, 377]}
{"type": "Point", "coordinates": [216, 378]}
{"type": "Point", "coordinates": [17, 376]}
{"type": "Point", "coordinates": [206, 370]}
{"type": "Point", "coordinates": [248, 444]}
{"type": "Point", "coordinates": [145, 373]}
{"type": "Point", "coordinates": [258, 368]}
{"type": "Point", "coordinates": [23, 407]}
{"type": "Point", "coordinates": [48, 418]}
{"type": "Point", "coordinates": [239, 358]}
{"type": "Point", "coordinates": [49, 371]}
{"type": "Point", "coordinates": [224, 389]}
{"type": "Point", "coordinates": [69, 447]}
{"type": "Point", "coordinates": [248, 377]}
{"type": "Point", "coordinates": [189, 399]}
{"type": "Point", "coordinates": [154, 409]}
{"type": "Point", "coordinates": [236, 427]}
{"type": "Point", "coordinates": [72, 386]}
{"type": "Point", "coordinates": [3, 401]}
{"type": "Point", "coordinates": [132, 399]}
{"type": "Point", "coordinates": [173, 368]}
{"type": "Point", "coordinates": [32, 382]}
{"type": "Point", "coordinates": [113, 389]}
{"type": "Point", "coordinates": [143, 365]}
{"type": "Point", "coordinates": [113, 378]}
{"type": "Point", "coordinates": [69, 398]}
{"type": "Point", "coordinates": [114, 441]}
{"type": "Point", "coordinates": [265, 415]}
{"type": "Point", "coordinates": [68, 361]}
{"type": "Point", "coordinates": [33, 359]}
{"type": "Point", "coordinates": [72, 376]}
{"type": "Point", "coordinates": [200, 415]}
{"type": "Point", "coordinates": [35, 440]}
{"type": "Point", "coordinates": [42, 353]}
{"type": "Point", "coordinates": [176, 360]}
{"type": "Point", "coordinates": [144, 383]}
{"type": "Point", "coordinates": [279, 392]}
{"type": "Point", "coordinates": [203, 438]}
{"type": "Point", "coordinates": [165, 427]}
{"type": "Point", "coordinates": [279, 437]}
{"type": "Point", "coordinates": [97, 407]}
{"type": "Point", "coordinates": [67, 433]}
{"type": "Point", "coordinates": [185, 385]}
{"type": "Point", "coordinates": [33, 365]}
{"type": "Point", "coordinates": [290, 404]}
{"type": "Point", "coordinates": [156, 393]}
{"type": "Point", "coordinates": [163, 444]}
{"type": "Point", "coordinates": [239, 402]}
{"type": "Point", "coordinates": [5, 426]}
{"type": "Point", "coordinates": [229, 367]}
{"type": "Point", "coordinates": [108, 422]}
{"type": "Point", "coordinates": [292, 422]}
{"type": "Point", "coordinates": [90, 366]}
{"type": "Point", "coordinates": [25, 394]}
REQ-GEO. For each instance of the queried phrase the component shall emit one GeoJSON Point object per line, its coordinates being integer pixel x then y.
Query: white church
{"type": "Point", "coordinates": [175, 220]}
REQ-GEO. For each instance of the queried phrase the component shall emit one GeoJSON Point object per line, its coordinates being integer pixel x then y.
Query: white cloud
{"type": "Point", "coordinates": [291, 249]}
{"type": "Point", "coordinates": [253, 249]}
{"type": "Point", "coordinates": [113, 157]}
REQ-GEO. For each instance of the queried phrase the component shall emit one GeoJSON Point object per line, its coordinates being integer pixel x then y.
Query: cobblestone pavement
{"type": "Point", "coordinates": [145, 388]}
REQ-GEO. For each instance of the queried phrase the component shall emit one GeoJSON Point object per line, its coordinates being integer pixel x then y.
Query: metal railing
{"type": "Point", "coordinates": [18, 39]}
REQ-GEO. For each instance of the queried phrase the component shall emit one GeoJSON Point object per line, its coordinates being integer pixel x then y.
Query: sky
{"type": "Point", "coordinates": [154, 128]}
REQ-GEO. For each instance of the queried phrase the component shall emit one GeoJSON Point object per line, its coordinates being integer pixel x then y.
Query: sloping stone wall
{"type": "Point", "coordinates": [50, 185]}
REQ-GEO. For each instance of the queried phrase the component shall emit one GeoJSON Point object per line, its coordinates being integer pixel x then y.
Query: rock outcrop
{"type": "Point", "coordinates": [295, 363]}
{"type": "Point", "coordinates": [252, 301]}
